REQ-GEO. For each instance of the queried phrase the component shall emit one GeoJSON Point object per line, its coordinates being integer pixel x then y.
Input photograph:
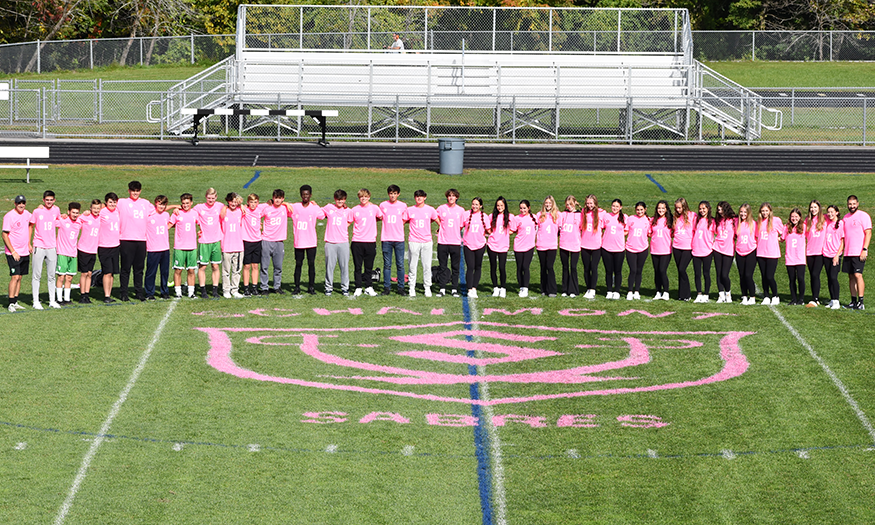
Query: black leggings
{"type": "Point", "coordinates": [363, 254]}
{"type": "Point", "coordinates": [523, 261]}
{"type": "Point", "coordinates": [590, 260]}
{"type": "Point", "coordinates": [682, 260]}
{"type": "Point", "coordinates": [497, 261]}
{"type": "Point", "coordinates": [613, 269]}
{"type": "Point", "coordinates": [832, 277]}
{"type": "Point", "coordinates": [453, 252]}
{"type": "Point", "coordinates": [311, 264]}
{"type": "Point", "coordinates": [660, 272]}
{"type": "Point", "coordinates": [768, 266]}
{"type": "Point", "coordinates": [815, 266]}
{"type": "Point", "coordinates": [723, 263]}
{"type": "Point", "coordinates": [473, 266]}
{"type": "Point", "coordinates": [702, 268]}
{"type": "Point", "coordinates": [569, 272]}
{"type": "Point", "coordinates": [547, 260]}
{"type": "Point", "coordinates": [636, 261]}
{"type": "Point", "coordinates": [746, 265]}
{"type": "Point", "coordinates": [797, 276]}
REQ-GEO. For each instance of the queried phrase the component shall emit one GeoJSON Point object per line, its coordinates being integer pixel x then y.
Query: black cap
{"type": "Point", "coordinates": [20, 199]}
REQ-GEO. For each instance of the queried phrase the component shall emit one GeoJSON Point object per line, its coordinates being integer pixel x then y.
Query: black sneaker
{"type": "Point", "coordinates": [108, 300]}
{"type": "Point", "coordinates": [88, 299]}
{"type": "Point", "coordinates": [246, 292]}
{"type": "Point", "coordinates": [851, 306]}
{"type": "Point", "coordinates": [311, 290]}
{"type": "Point", "coordinates": [279, 291]}
{"type": "Point", "coordinates": [387, 291]}
{"type": "Point", "coordinates": [125, 298]}
{"type": "Point", "coordinates": [264, 292]}
{"type": "Point", "coordinates": [165, 296]}
{"type": "Point", "coordinates": [296, 290]}
{"type": "Point", "coordinates": [859, 306]}
{"type": "Point", "coordinates": [149, 298]}
{"type": "Point", "coordinates": [83, 299]}
{"type": "Point", "coordinates": [215, 292]}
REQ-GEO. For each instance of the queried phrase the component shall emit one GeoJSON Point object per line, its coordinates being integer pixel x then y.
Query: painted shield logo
{"type": "Point", "coordinates": [439, 362]}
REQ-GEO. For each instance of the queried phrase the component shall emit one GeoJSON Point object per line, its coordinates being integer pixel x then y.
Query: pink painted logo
{"type": "Point", "coordinates": [439, 362]}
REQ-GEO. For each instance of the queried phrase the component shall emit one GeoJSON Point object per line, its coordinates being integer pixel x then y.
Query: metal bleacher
{"type": "Point", "coordinates": [472, 72]}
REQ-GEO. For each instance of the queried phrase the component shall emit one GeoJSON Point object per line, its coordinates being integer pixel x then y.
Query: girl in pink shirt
{"type": "Point", "coordinates": [682, 244]}
{"type": "Point", "coordinates": [661, 227]}
{"type": "Point", "coordinates": [614, 248]}
{"type": "Point", "coordinates": [815, 234]}
{"type": "Point", "coordinates": [546, 243]}
{"type": "Point", "coordinates": [794, 255]}
{"type": "Point", "coordinates": [833, 246]}
{"type": "Point", "coordinates": [591, 226]}
{"type": "Point", "coordinates": [450, 217]}
{"type": "Point", "coordinates": [569, 246]}
{"type": "Point", "coordinates": [638, 226]}
{"type": "Point", "coordinates": [746, 252]}
{"type": "Point", "coordinates": [724, 249]}
{"type": "Point", "coordinates": [769, 232]}
{"type": "Point", "coordinates": [364, 241]}
{"type": "Point", "coordinates": [497, 246]}
{"type": "Point", "coordinates": [474, 242]}
{"type": "Point", "coordinates": [526, 228]}
{"type": "Point", "coordinates": [704, 234]}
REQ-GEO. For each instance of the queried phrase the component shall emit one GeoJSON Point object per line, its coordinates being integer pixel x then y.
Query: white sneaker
{"type": "Point", "coordinates": [630, 296]}
{"type": "Point", "coordinates": [472, 293]}
{"type": "Point", "coordinates": [776, 301]}
{"type": "Point", "coordinates": [835, 305]}
{"type": "Point", "coordinates": [226, 295]}
{"type": "Point", "coordinates": [54, 304]}
{"type": "Point", "coordinates": [572, 296]}
{"type": "Point", "coordinates": [767, 301]}
{"type": "Point", "coordinates": [727, 298]}
{"type": "Point", "coordinates": [18, 306]}
{"type": "Point", "coordinates": [744, 299]}
{"type": "Point", "coordinates": [721, 297]}
{"type": "Point", "coordinates": [658, 296]}
{"type": "Point", "coordinates": [237, 295]}
{"type": "Point", "coordinates": [636, 296]}
{"type": "Point", "coordinates": [442, 292]}
{"type": "Point", "coordinates": [609, 295]}
{"type": "Point", "coordinates": [412, 292]}
{"type": "Point", "coordinates": [503, 292]}
{"type": "Point", "coordinates": [455, 293]}
{"type": "Point", "coordinates": [524, 292]}
{"type": "Point", "coordinates": [37, 306]}
{"type": "Point", "coordinates": [358, 292]}
{"type": "Point", "coordinates": [12, 308]}
{"type": "Point", "coordinates": [590, 294]}
{"type": "Point", "coordinates": [496, 291]}
{"type": "Point", "coordinates": [428, 292]}
{"type": "Point", "coordinates": [370, 291]}
{"type": "Point", "coordinates": [665, 296]}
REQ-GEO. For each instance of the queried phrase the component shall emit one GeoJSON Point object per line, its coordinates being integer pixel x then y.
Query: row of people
{"type": "Point", "coordinates": [244, 240]}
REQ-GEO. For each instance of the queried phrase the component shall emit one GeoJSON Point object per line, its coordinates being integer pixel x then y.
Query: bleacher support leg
{"type": "Point", "coordinates": [322, 124]}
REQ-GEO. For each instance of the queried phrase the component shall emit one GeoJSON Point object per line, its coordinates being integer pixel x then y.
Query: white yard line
{"type": "Point", "coordinates": [500, 498]}
{"type": "Point", "coordinates": [95, 444]}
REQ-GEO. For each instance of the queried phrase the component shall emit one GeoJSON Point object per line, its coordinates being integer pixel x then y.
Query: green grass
{"type": "Point", "coordinates": [182, 447]}
{"type": "Point", "coordinates": [797, 74]}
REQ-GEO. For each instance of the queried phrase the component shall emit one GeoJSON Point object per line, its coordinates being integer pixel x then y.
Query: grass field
{"type": "Point", "coordinates": [333, 410]}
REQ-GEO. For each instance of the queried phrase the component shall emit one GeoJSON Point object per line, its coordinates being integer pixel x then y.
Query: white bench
{"type": "Point", "coordinates": [24, 152]}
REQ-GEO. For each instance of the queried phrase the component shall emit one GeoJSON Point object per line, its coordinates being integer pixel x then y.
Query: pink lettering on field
{"type": "Point", "coordinates": [451, 420]}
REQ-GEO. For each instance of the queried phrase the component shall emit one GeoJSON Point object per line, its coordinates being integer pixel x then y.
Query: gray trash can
{"type": "Point", "coordinates": [452, 156]}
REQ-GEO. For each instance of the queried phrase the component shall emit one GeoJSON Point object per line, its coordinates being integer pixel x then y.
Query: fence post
{"type": "Point", "coordinates": [493, 29]}
{"type": "Point", "coordinates": [301, 29]}
{"type": "Point", "coordinates": [42, 112]}
{"type": "Point", "coordinates": [91, 54]}
{"type": "Point", "coordinates": [753, 46]}
{"type": "Point", "coordinates": [397, 118]}
{"type": "Point", "coordinates": [864, 120]}
{"type": "Point", "coordinates": [550, 28]}
{"type": "Point", "coordinates": [830, 46]}
{"type": "Point", "coordinates": [369, 28]}
{"type": "Point", "coordinates": [425, 31]}
{"type": "Point", "coordinates": [38, 58]}
{"type": "Point", "coordinates": [192, 48]}
{"type": "Point", "coordinates": [619, 18]}
{"type": "Point", "coordinates": [793, 106]}
{"type": "Point", "coordinates": [100, 101]}
{"type": "Point", "coordinates": [141, 48]}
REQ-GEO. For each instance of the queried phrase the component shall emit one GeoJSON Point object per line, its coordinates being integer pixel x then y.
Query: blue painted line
{"type": "Point", "coordinates": [658, 185]}
{"type": "Point", "coordinates": [255, 177]}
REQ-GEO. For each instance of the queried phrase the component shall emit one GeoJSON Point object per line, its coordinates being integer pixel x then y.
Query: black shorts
{"type": "Point", "coordinates": [85, 261]}
{"type": "Point", "coordinates": [109, 262]}
{"type": "Point", "coordinates": [853, 265]}
{"type": "Point", "coordinates": [251, 252]}
{"type": "Point", "coordinates": [18, 267]}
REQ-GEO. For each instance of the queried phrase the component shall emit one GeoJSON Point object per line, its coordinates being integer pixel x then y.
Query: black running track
{"type": "Point", "coordinates": [477, 155]}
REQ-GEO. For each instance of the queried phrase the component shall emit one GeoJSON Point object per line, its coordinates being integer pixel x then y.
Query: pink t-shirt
{"type": "Point", "coordinates": [392, 227]}
{"type": "Point", "coordinates": [232, 231]}
{"type": "Point", "coordinates": [834, 237]}
{"type": "Point", "coordinates": [475, 230]}
{"type": "Point", "coordinates": [725, 242]}
{"type": "Point", "coordinates": [364, 222]}
{"type": "Point", "coordinates": [419, 222]}
{"type": "Point", "coordinates": [569, 231]}
{"type": "Point", "coordinates": [683, 232]}
{"type": "Point", "coordinates": [109, 229]}
{"type": "Point", "coordinates": [703, 240]}
{"type": "Point", "coordinates": [133, 215]}
{"type": "Point", "coordinates": [89, 234]}
{"type": "Point", "coordinates": [17, 226]}
{"type": "Point", "coordinates": [547, 237]}
{"type": "Point", "coordinates": [745, 238]}
{"type": "Point", "coordinates": [814, 238]}
{"type": "Point", "coordinates": [591, 235]}
{"type": "Point", "coordinates": [794, 247]}
{"type": "Point", "coordinates": [614, 238]}
{"type": "Point", "coordinates": [68, 237]}
{"type": "Point", "coordinates": [45, 224]}
{"type": "Point", "coordinates": [209, 219]}
{"type": "Point", "coordinates": [768, 242]}
{"type": "Point", "coordinates": [157, 239]}
{"type": "Point", "coordinates": [525, 228]}
{"type": "Point", "coordinates": [252, 223]}
{"type": "Point", "coordinates": [639, 229]}
{"type": "Point", "coordinates": [450, 219]}
{"type": "Point", "coordinates": [856, 225]}
{"type": "Point", "coordinates": [304, 221]}
{"type": "Point", "coordinates": [276, 223]}
{"type": "Point", "coordinates": [337, 227]}
{"type": "Point", "coordinates": [660, 237]}
{"type": "Point", "coordinates": [185, 236]}
{"type": "Point", "coordinates": [499, 238]}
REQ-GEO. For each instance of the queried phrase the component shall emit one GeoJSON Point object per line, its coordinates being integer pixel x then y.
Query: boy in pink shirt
{"type": "Point", "coordinates": [304, 217]}
{"type": "Point", "coordinates": [68, 238]}
{"type": "Point", "coordinates": [209, 241]}
{"type": "Point", "coordinates": [450, 217]}
{"type": "Point", "coordinates": [45, 220]}
{"type": "Point", "coordinates": [337, 242]}
{"type": "Point", "coordinates": [858, 233]}
{"type": "Point", "coordinates": [108, 244]}
{"type": "Point", "coordinates": [392, 239]}
{"type": "Point", "coordinates": [17, 232]}
{"type": "Point", "coordinates": [184, 222]}
{"type": "Point", "coordinates": [157, 248]}
{"type": "Point", "coordinates": [86, 253]}
{"type": "Point", "coordinates": [364, 241]}
{"type": "Point", "coordinates": [419, 218]}
{"type": "Point", "coordinates": [273, 237]}
{"type": "Point", "coordinates": [252, 216]}
{"type": "Point", "coordinates": [232, 246]}
{"type": "Point", "coordinates": [132, 239]}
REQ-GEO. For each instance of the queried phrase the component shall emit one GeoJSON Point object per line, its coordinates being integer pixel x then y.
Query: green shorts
{"type": "Point", "coordinates": [67, 265]}
{"type": "Point", "coordinates": [209, 253]}
{"type": "Point", "coordinates": [184, 259]}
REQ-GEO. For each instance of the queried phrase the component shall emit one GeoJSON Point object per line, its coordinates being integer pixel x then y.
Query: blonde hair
{"type": "Point", "coordinates": [554, 214]}
{"type": "Point", "coordinates": [212, 191]}
{"type": "Point", "coordinates": [771, 214]}
{"type": "Point", "coordinates": [574, 204]}
{"type": "Point", "coordinates": [364, 192]}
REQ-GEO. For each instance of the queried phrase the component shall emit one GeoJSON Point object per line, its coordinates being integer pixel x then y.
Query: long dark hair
{"type": "Point", "coordinates": [505, 213]}
{"type": "Point", "coordinates": [669, 217]}
{"type": "Point", "coordinates": [709, 216]}
{"type": "Point", "coordinates": [529, 206]}
{"type": "Point", "coordinates": [621, 217]}
{"type": "Point", "coordinates": [471, 213]}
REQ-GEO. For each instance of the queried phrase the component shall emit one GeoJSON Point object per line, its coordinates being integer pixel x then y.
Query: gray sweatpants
{"type": "Point", "coordinates": [272, 251]}
{"type": "Point", "coordinates": [336, 254]}
{"type": "Point", "coordinates": [50, 256]}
